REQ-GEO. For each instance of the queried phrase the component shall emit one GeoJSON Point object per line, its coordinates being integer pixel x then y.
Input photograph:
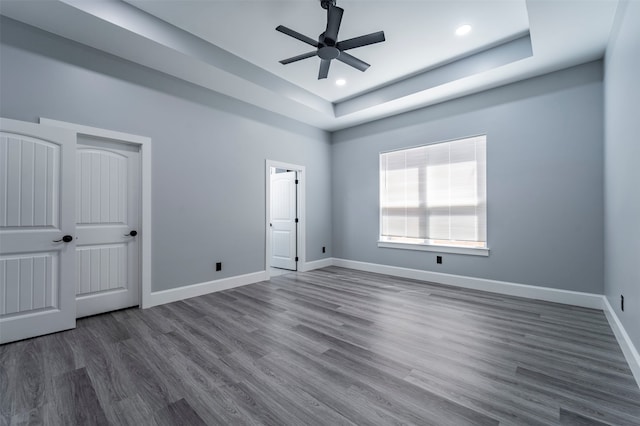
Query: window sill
{"type": "Point", "coordinates": [473, 251]}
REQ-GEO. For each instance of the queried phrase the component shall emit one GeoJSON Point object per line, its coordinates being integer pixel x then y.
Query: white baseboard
{"type": "Point", "coordinates": [628, 349]}
{"type": "Point", "coordinates": [576, 298]}
{"type": "Point", "coordinates": [316, 264]}
{"type": "Point", "coordinates": [193, 290]}
{"type": "Point", "coordinates": [568, 297]}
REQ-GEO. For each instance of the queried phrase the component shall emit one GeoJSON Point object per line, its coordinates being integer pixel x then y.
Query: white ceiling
{"type": "Point", "coordinates": [419, 34]}
{"type": "Point", "coordinates": [232, 47]}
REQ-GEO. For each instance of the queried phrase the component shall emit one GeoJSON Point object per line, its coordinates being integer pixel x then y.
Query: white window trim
{"type": "Point", "coordinates": [473, 251]}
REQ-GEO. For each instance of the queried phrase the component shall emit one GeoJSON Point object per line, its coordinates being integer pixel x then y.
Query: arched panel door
{"type": "Point", "coordinates": [37, 230]}
{"type": "Point", "coordinates": [283, 220]}
{"type": "Point", "coordinates": [107, 223]}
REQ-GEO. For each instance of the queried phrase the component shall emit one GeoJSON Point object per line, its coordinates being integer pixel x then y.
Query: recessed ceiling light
{"type": "Point", "coordinates": [341, 82]}
{"type": "Point", "coordinates": [463, 29]}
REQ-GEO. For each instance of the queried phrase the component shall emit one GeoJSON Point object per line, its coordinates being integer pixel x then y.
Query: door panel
{"type": "Point", "coordinates": [36, 210]}
{"type": "Point", "coordinates": [31, 194]}
{"type": "Point", "coordinates": [283, 220]}
{"type": "Point", "coordinates": [29, 283]}
{"type": "Point", "coordinates": [107, 270]}
{"type": "Point", "coordinates": [102, 186]}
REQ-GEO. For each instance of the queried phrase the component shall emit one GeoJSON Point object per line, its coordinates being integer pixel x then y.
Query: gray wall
{"type": "Point", "coordinates": [209, 150]}
{"type": "Point", "coordinates": [544, 181]}
{"type": "Point", "coordinates": [622, 168]}
{"type": "Point", "coordinates": [545, 174]}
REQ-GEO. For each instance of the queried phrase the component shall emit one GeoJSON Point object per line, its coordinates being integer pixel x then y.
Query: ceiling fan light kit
{"type": "Point", "coordinates": [328, 47]}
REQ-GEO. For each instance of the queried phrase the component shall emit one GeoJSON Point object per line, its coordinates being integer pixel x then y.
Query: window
{"type": "Point", "coordinates": [435, 196]}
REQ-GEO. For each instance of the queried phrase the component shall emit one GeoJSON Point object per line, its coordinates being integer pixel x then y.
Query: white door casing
{"type": "Point", "coordinates": [142, 145]}
{"type": "Point", "coordinates": [300, 206]}
{"type": "Point", "coordinates": [283, 222]}
{"type": "Point", "coordinates": [107, 214]}
{"type": "Point", "coordinates": [37, 199]}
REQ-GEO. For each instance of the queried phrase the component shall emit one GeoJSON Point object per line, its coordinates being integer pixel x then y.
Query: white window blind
{"type": "Point", "coordinates": [435, 194]}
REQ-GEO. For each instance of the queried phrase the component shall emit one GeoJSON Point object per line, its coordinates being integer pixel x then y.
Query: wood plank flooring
{"type": "Point", "coordinates": [327, 347]}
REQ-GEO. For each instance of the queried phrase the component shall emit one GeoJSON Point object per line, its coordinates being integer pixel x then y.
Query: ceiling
{"type": "Point", "coordinates": [231, 47]}
{"type": "Point", "coordinates": [249, 32]}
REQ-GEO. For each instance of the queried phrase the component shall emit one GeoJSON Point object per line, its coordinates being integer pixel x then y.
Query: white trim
{"type": "Point", "coordinates": [316, 264]}
{"type": "Point", "coordinates": [185, 292]}
{"type": "Point", "coordinates": [96, 131]}
{"type": "Point", "coordinates": [628, 349]}
{"type": "Point", "coordinates": [568, 297]}
{"type": "Point", "coordinates": [301, 200]}
{"type": "Point", "coordinates": [473, 251]}
{"type": "Point", "coordinates": [144, 144]}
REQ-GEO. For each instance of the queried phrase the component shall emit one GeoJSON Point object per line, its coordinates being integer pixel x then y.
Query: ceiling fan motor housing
{"type": "Point", "coordinates": [328, 52]}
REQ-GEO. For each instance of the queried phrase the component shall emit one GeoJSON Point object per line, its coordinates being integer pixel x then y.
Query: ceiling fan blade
{"type": "Point", "coordinates": [324, 68]}
{"type": "Point", "coordinates": [364, 40]}
{"type": "Point", "coordinates": [299, 57]}
{"type": "Point", "coordinates": [353, 61]}
{"type": "Point", "coordinates": [297, 35]}
{"type": "Point", "coordinates": [334, 17]}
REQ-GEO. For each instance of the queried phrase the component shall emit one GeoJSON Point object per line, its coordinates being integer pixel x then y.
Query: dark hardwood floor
{"type": "Point", "coordinates": [327, 347]}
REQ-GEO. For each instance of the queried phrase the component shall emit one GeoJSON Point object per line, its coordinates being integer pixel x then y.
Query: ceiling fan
{"type": "Point", "coordinates": [328, 47]}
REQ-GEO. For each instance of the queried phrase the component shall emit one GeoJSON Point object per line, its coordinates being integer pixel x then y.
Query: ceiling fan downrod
{"type": "Point", "coordinates": [327, 3]}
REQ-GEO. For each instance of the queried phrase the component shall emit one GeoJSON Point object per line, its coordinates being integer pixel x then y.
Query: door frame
{"type": "Point", "coordinates": [144, 145]}
{"type": "Point", "coordinates": [300, 203]}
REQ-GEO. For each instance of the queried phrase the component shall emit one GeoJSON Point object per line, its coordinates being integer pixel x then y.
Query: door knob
{"type": "Point", "coordinates": [66, 239]}
{"type": "Point", "coordinates": [131, 234]}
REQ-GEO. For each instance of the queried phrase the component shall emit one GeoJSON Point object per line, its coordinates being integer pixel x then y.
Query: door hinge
{"type": "Point", "coordinates": [296, 258]}
{"type": "Point", "coordinates": [296, 220]}
{"type": "Point", "coordinates": [296, 181]}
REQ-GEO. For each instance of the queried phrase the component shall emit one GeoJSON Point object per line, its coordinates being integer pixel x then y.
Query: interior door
{"type": "Point", "coordinates": [283, 220]}
{"type": "Point", "coordinates": [37, 227]}
{"type": "Point", "coordinates": [107, 212]}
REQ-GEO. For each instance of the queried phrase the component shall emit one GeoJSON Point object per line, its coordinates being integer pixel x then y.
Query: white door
{"type": "Point", "coordinates": [107, 214]}
{"type": "Point", "coordinates": [37, 228]}
{"type": "Point", "coordinates": [283, 220]}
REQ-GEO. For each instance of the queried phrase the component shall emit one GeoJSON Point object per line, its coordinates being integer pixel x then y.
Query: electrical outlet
{"type": "Point", "coordinates": [324, 249]}
{"type": "Point", "coordinates": [622, 303]}
{"type": "Point", "coordinates": [438, 259]}
{"type": "Point", "coordinates": [218, 266]}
